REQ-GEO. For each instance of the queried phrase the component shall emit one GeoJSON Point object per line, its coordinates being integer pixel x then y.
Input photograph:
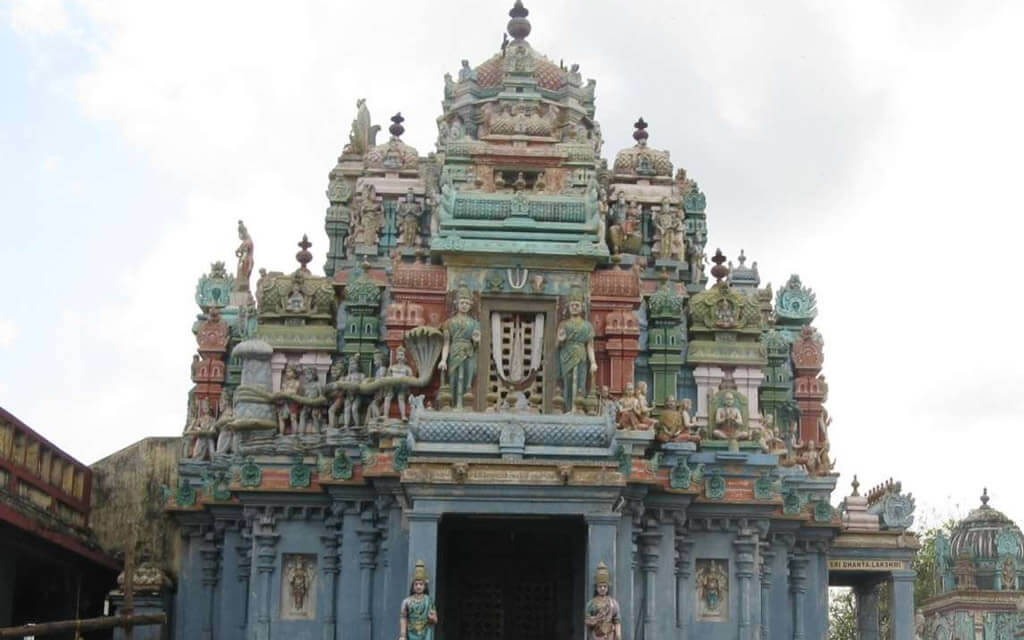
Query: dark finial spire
{"type": "Point", "coordinates": [856, 485]}
{"type": "Point", "coordinates": [640, 135]}
{"type": "Point", "coordinates": [304, 256]}
{"type": "Point", "coordinates": [720, 271]}
{"type": "Point", "coordinates": [518, 26]}
{"type": "Point", "coordinates": [984, 497]}
{"type": "Point", "coordinates": [396, 127]}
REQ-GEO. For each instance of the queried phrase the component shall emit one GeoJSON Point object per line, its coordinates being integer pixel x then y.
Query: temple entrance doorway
{"type": "Point", "coordinates": [511, 578]}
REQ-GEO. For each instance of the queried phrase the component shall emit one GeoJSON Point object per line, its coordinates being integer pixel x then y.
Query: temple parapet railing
{"type": "Point", "coordinates": [510, 435]}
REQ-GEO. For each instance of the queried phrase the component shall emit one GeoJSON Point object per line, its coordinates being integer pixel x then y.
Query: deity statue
{"type": "Point", "coordinates": [632, 224]}
{"type": "Point", "coordinates": [728, 420]}
{"type": "Point", "coordinates": [336, 374]}
{"type": "Point", "coordinates": [312, 415]}
{"type": "Point", "coordinates": [675, 422]}
{"type": "Point", "coordinates": [244, 255]}
{"type": "Point", "coordinates": [417, 616]}
{"type": "Point", "coordinates": [671, 244]}
{"type": "Point", "coordinates": [628, 410]}
{"type": "Point", "coordinates": [575, 339]}
{"type": "Point", "coordinates": [461, 337]}
{"type": "Point", "coordinates": [609, 407]}
{"type": "Point", "coordinates": [191, 436]}
{"type": "Point", "coordinates": [770, 440]}
{"type": "Point", "coordinates": [371, 218]}
{"type": "Point", "coordinates": [601, 617]}
{"type": "Point", "coordinates": [379, 370]}
{"type": "Point", "coordinates": [296, 301]}
{"type": "Point", "coordinates": [643, 409]}
{"type": "Point", "coordinates": [350, 412]}
{"type": "Point", "coordinates": [712, 590]}
{"type": "Point", "coordinates": [409, 221]}
{"type": "Point", "coordinates": [299, 578]}
{"type": "Point", "coordinates": [398, 369]}
{"type": "Point", "coordinates": [227, 439]}
{"type": "Point", "coordinates": [288, 410]}
{"type": "Point", "coordinates": [465, 72]}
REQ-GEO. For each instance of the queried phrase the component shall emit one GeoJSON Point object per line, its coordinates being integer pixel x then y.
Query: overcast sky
{"type": "Point", "coordinates": [872, 147]}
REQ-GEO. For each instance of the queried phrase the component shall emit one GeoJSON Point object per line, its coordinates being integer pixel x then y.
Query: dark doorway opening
{"type": "Point", "coordinates": [511, 578]}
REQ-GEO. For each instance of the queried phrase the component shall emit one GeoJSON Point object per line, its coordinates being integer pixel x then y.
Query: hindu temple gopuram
{"type": "Point", "coordinates": [519, 401]}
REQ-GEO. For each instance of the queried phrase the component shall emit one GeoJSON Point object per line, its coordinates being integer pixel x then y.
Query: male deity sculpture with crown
{"type": "Point", "coordinates": [418, 616]}
{"type": "Point", "coordinates": [461, 337]}
{"type": "Point", "coordinates": [575, 351]}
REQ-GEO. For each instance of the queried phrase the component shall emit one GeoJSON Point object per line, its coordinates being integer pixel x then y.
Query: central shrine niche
{"type": "Point", "coordinates": [516, 376]}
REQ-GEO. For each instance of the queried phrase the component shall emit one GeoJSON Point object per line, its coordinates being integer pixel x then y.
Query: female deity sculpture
{"type": "Point", "coordinates": [575, 349]}
{"type": "Point", "coordinates": [602, 613]}
{"type": "Point", "coordinates": [461, 337]}
{"type": "Point", "coordinates": [418, 616]}
{"type": "Point", "coordinates": [399, 369]}
{"type": "Point", "coordinates": [371, 217]}
{"type": "Point", "coordinates": [244, 255]}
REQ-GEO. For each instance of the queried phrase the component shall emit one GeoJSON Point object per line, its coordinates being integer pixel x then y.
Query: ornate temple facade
{"type": "Point", "coordinates": [520, 380]}
{"type": "Point", "coordinates": [979, 572]}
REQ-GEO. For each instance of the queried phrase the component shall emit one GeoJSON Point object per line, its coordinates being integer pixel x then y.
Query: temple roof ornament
{"type": "Point", "coordinates": [743, 276]}
{"type": "Point", "coordinates": [518, 26]}
{"type": "Point", "coordinates": [393, 155]}
{"type": "Point", "coordinates": [303, 256]}
{"type": "Point", "coordinates": [795, 303]}
{"type": "Point", "coordinates": [640, 160]}
{"type": "Point", "coordinates": [363, 135]}
{"type": "Point", "coordinates": [987, 534]}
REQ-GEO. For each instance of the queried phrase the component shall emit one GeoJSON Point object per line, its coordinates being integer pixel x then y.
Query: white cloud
{"type": "Point", "coordinates": [8, 332]}
{"type": "Point", "coordinates": [38, 17]}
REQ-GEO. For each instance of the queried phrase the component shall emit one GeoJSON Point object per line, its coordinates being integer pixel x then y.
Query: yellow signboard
{"type": "Point", "coordinates": [865, 564]}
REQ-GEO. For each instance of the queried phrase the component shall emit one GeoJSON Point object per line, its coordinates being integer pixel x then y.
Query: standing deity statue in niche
{"type": "Point", "coordinates": [458, 355]}
{"type": "Point", "coordinates": [300, 578]}
{"type": "Point", "coordinates": [336, 374]}
{"type": "Point", "coordinates": [244, 255]}
{"type": "Point", "coordinates": [601, 617]}
{"type": "Point", "coordinates": [371, 218]}
{"type": "Point", "coordinates": [417, 616]}
{"type": "Point", "coordinates": [288, 410]}
{"type": "Point", "coordinates": [312, 415]}
{"type": "Point", "coordinates": [712, 590]}
{"type": "Point", "coordinates": [409, 221]}
{"type": "Point", "coordinates": [352, 400]}
{"type": "Point", "coordinates": [575, 339]}
{"type": "Point", "coordinates": [671, 243]}
{"type": "Point", "coordinates": [399, 369]}
{"type": "Point", "coordinates": [379, 371]}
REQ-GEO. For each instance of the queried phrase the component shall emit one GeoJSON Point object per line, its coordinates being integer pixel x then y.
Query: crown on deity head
{"type": "Point", "coordinates": [576, 294]}
{"type": "Point", "coordinates": [420, 572]}
{"type": "Point", "coordinates": [602, 575]}
{"type": "Point", "coordinates": [463, 293]}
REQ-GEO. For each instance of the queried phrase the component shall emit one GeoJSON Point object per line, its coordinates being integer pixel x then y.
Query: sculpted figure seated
{"type": "Point", "coordinates": [675, 422]}
{"type": "Point", "coordinates": [729, 422]}
{"type": "Point", "coordinates": [631, 413]}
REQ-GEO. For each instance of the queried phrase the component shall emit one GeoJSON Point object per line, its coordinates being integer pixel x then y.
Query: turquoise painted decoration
{"type": "Point", "coordinates": [342, 466]}
{"type": "Point", "coordinates": [763, 487]}
{"type": "Point", "coordinates": [822, 511]}
{"type": "Point", "coordinates": [796, 302]}
{"type": "Point", "coordinates": [367, 456]}
{"type": "Point", "coordinates": [791, 502]}
{"type": "Point", "coordinates": [215, 485]}
{"type": "Point", "coordinates": [300, 475]}
{"type": "Point", "coordinates": [214, 288]}
{"type": "Point", "coordinates": [186, 494]}
{"type": "Point", "coordinates": [625, 462]}
{"type": "Point", "coordinates": [401, 458]}
{"type": "Point", "coordinates": [654, 463]}
{"type": "Point", "coordinates": [250, 475]}
{"type": "Point", "coordinates": [714, 486]}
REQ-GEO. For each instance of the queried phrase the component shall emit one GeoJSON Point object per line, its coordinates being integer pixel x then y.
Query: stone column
{"type": "Point", "coordinates": [209, 554]}
{"type": "Point", "coordinates": [244, 553]}
{"type": "Point", "coordinates": [423, 546]}
{"type": "Point", "coordinates": [867, 611]}
{"type": "Point", "coordinates": [266, 558]}
{"type": "Point", "coordinates": [649, 540]}
{"type": "Point", "coordinates": [798, 588]}
{"type": "Point", "coordinates": [368, 538]}
{"type": "Point", "coordinates": [601, 530]}
{"type": "Point", "coordinates": [767, 559]}
{"type": "Point", "coordinates": [623, 578]}
{"type": "Point", "coordinates": [902, 607]}
{"type": "Point", "coordinates": [683, 548]}
{"type": "Point", "coordinates": [331, 567]}
{"type": "Point", "coordinates": [745, 545]}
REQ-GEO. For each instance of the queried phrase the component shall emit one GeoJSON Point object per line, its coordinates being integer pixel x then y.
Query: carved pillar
{"type": "Point", "coordinates": [368, 539]}
{"type": "Point", "coordinates": [209, 554]}
{"type": "Point", "coordinates": [244, 553]}
{"type": "Point", "coordinates": [902, 607]}
{"type": "Point", "coordinates": [798, 588]}
{"type": "Point", "coordinates": [601, 530]}
{"type": "Point", "coordinates": [266, 557]}
{"type": "Point", "coordinates": [683, 570]}
{"type": "Point", "coordinates": [767, 560]}
{"type": "Point", "coordinates": [623, 578]}
{"type": "Point", "coordinates": [867, 611]}
{"type": "Point", "coordinates": [745, 545]}
{"type": "Point", "coordinates": [649, 540]}
{"type": "Point", "coordinates": [331, 567]}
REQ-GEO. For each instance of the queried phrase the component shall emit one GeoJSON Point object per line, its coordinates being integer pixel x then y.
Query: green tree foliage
{"type": "Point", "coordinates": [842, 614]}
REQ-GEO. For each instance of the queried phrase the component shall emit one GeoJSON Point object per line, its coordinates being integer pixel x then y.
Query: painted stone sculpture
{"type": "Point", "coordinates": [575, 352]}
{"type": "Point", "coordinates": [245, 261]}
{"type": "Point", "coordinates": [418, 616]}
{"type": "Point", "coordinates": [675, 422]}
{"type": "Point", "coordinates": [602, 613]}
{"type": "Point", "coordinates": [399, 369]}
{"type": "Point", "coordinates": [458, 355]}
{"type": "Point", "coordinates": [728, 416]}
{"type": "Point", "coordinates": [712, 590]}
